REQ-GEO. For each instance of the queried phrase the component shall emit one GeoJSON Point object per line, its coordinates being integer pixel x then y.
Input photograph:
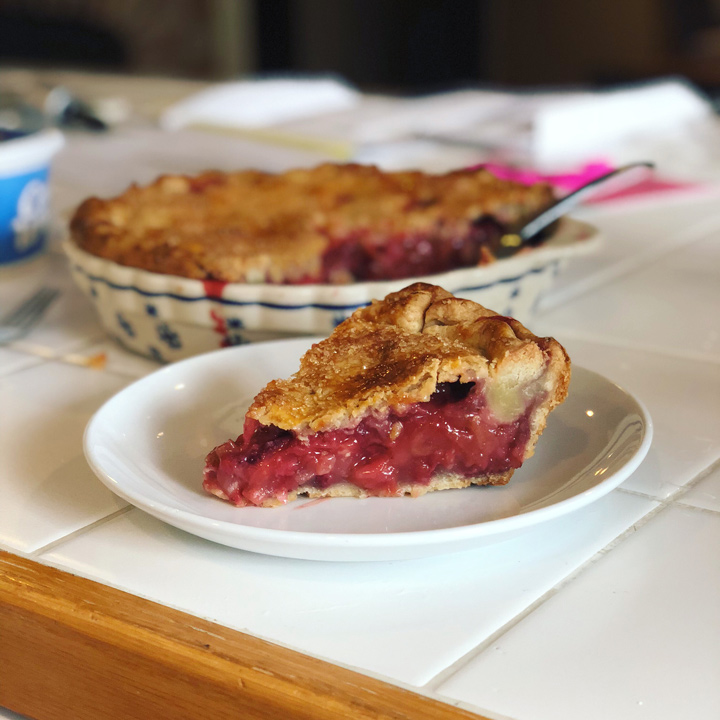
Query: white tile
{"type": "Point", "coordinates": [46, 486]}
{"type": "Point", "coordinates": [18, 281]}
{"type": "Point", "coordinates": [402, 620]}
{"type": "Point", "coordinates": [634, 233]}
{"type": "Point", "coordinates": [6, 714]}
{"type": "Point", "coordinates": [68, 323]}
{"type": "Point", "coordinates": [636, 635]}
{"type": "Point", "coordinates": [706, 494]}
{"type": "Point", "coordinates": [682, 397]}
{"type": "Point", "coordinates": [71, 321]}
{"type": "Point", "coordinates": [11, 360]}
{"type": "Point", "coordinates": [672, 305]}
{"type": "Point", "coordinates": [16, 277]}
{"type": "Point", "coordinates": [112, 357]}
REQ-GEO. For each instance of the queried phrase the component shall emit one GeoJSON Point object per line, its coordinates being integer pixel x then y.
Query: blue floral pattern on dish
{"type": "Point", "coordinates": [169, 336]}
{"type": "Point", "coordinates": [151, 310]}
{"type": "Point", "coordinates": [232, 336]}
{"type": "Point", "coordinates": [125, 325]}
{"type": "Point", "coordinates": [155, 354]}
{"type": "Point", "coordinates": [235, 339]}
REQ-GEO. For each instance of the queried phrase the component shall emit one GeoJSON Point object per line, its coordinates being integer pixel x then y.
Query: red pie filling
{"type": "Point", "coordinates": [360, 256]}
{"type": "Point", "coordinates": [453, 432]}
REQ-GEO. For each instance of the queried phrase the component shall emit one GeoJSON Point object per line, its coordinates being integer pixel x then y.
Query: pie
{"type": "Point", "coordinates": [420, 391]}
{"type": "Point", "coordinates": [329, 224]}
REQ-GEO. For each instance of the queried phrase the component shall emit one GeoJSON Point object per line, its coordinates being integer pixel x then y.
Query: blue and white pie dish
{"type": "Point", "coordinates": [167, 317]}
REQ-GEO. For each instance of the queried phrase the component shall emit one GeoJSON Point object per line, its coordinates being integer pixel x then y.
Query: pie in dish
{"type": "Point", "coordinates": [329, 224]}
{"type": "Point", "coordinates": [420, 391]}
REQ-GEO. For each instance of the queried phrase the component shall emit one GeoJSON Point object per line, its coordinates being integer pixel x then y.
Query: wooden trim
{"type": "Point", "coordinates": [70, 647]}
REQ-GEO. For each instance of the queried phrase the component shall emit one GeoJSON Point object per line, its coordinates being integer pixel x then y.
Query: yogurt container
{"type": "Point", "coordinates": [24, 193]}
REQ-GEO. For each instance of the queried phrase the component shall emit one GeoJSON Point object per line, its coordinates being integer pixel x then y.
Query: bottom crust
{"type": "Point", "coordinates": [444, 481]}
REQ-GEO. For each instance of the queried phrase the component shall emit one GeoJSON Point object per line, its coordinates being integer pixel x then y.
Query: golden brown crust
{"type": "Point", "coordinates": [396, 351]}
{"type": "Point", "coordinates": [252, 226]}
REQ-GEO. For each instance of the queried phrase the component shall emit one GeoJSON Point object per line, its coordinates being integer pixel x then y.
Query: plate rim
{"type": "Point", "coordinates": [358, 541]}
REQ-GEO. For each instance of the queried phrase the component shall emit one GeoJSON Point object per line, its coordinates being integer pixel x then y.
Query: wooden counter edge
{"type": "Point", "coordinates": [71, 647]}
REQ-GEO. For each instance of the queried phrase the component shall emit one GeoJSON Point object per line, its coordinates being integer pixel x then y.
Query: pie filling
{"type": "Point", "coordinates": [454, 432]}
{"type": "Point", "coordinates": [359, 256]}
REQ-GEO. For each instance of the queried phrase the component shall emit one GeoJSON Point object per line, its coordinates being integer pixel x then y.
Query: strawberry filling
{"type": "Point", "coordinates": [359, 256]}
{"type": "Point", "coordinates": [453, 432]}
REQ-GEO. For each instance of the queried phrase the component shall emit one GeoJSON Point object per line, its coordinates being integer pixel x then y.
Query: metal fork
{"type": "Point", "coordinates": [19, 321]}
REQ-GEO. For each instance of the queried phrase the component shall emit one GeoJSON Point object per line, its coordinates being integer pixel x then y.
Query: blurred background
{"type": "Point", "coordinates": [564, 89]}
{"type": "Point", "coordinates": [402, 46]}
{"type": "Point", "coordinates": [98, 94]}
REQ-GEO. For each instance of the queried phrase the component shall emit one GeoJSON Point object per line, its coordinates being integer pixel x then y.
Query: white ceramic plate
{"type": "Point", "coordinates": [148, 444]}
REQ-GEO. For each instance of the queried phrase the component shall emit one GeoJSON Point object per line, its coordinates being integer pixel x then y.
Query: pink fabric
{"type": "Point", "coordinates": [567, 182]}
{"type": "Point", "coordinates": [646, 187]}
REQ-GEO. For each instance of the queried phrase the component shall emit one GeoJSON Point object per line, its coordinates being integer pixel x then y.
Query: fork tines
{"type": "Point", "coordinates": [30, 310]}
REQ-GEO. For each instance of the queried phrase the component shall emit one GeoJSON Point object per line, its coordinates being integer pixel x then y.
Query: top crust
{"type": "Point", "coordinates": [397, 350]}
{"type": "Point", "coordinates": [254, 227]}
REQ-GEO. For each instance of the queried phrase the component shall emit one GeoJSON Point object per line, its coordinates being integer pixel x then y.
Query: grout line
{"type": "Point", "coordinates": [77, 355]}
{"type": "Point", "coordinates": [638, 494]}
{"type": "Point", "coordinates": [24, 350]}
{"type": "Point", "coordinates": [625, 266]}
{"type": "Point", "coordinates": [49, 353]}
{"type": "Point", "coordinates": [697, 508]}
{"type": "Point", "coordinates": [680, 490]}
{"type": "Point", "coordinates": [684, 489]}
{"type": "Point", "coordinates": [35, 554]}
{"type": "Point", "coordinates": [21, 368]}
{"type": "Point", "coordinates": [433, 684]}
{"type": "Point", "coordinates": [4, 547]}
{"type": "Point", "coordinates": [466, 659]}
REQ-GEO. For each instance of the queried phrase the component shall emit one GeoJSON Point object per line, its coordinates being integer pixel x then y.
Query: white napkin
{"type": "Point", "coordinates": [432, 114]}
{"type": "Point", "coordinates": [259, 103]}
{"type": "Point", "coordinates": [607, 123]}
{"type": "Point", "coordinates": [667, 121]}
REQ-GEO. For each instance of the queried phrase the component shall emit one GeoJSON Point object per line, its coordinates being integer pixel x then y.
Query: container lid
{"type": "Point", "coordinates": [29, 152]}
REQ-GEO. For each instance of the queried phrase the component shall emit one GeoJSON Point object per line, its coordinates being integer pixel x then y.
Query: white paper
{"type": "Point", "coordinates": [258, 103]}
{"type": "Point", "coordinates": [581, 128]}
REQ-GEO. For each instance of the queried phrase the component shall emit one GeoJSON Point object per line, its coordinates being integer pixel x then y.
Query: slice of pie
{"type": "Point", "coordinates": [420, 391]}
{"type": "Point", "coordinates": [328, 224]}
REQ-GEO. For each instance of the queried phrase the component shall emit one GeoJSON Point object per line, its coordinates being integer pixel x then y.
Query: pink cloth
{"type": "Point", "coordinates": [567, 182]}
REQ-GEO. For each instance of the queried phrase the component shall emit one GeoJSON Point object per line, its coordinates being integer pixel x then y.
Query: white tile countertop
{"type": "Point", "coordinates": [607, 612]}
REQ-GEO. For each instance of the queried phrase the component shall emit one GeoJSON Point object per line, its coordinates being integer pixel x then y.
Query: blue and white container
{"type": "Point", "coordinates": [24, 193]}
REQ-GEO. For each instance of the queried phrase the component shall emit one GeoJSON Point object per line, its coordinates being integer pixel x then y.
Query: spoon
{"type": "Point", "coordinates": [526, 235]}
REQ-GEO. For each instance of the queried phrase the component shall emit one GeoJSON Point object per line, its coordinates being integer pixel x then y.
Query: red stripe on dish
{"type": "Point", "coordinates": [219, 325]}
{"type": "Point", "coordinates": [214, 288]}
